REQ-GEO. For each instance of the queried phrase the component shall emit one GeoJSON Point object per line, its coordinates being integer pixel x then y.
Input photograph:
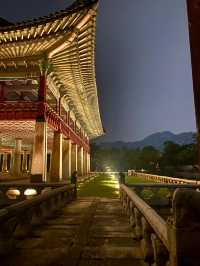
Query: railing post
{"type": "Point", "coordinates": [24, 226]}
{"type": "Point", "coordinates": [138, 223]}
{"type": "Point", "coordinates": [6, 233]}
{"type": "Point", "coordinates": [184, 228]}
{"type": "Point", "coordinates": [160, 253]}
{"type": "Point", "coordinates": [146, 243]}
{"type": "Point", "coordinates": [132, 215]}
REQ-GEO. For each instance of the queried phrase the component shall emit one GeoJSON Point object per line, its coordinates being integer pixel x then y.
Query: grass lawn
{"type": "Point", "coordinates": [131, 180]}
{"type": "Point", "coordinates": [102, 186]}
{"type": "Point", "coordinates": [107, 186]}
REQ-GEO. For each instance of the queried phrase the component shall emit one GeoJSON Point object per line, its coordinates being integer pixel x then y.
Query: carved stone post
{"type": "Point", "coordinates": [184, 228]}
{"type": "Point", "coordinates": [160, 252]}
{"type": "Point", "coordinates": [146, 243]}
{"type": "Point", "coordinates": [138, 223]}
{"type": "Point", "coordinates": [132, 215]}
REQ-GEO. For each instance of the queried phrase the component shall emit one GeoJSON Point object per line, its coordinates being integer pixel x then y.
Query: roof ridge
{"type": "Point", "coordinates": [77, 5]}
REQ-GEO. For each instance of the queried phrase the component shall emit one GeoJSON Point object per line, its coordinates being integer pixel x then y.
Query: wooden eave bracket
{"type": "Point", "coordinates": [67, 40]}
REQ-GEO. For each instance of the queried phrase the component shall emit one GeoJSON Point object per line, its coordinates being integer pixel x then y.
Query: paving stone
{"type": "Point", "coordinates": [112, 262]}
{"type": "Point", "coordinates": [114, 241]}
{"type": "Point", "coordinates": [107, 251]}
{"type": "Point", "coordinates": [90, 231]}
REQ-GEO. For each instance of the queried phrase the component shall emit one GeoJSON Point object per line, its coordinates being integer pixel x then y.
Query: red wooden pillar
{"type": "Point", "coordinates": [68, 118]}
{"type": "Point", "coordinates": [39, 157]}
{"type": "Point", "coordinates": [42, 88]}
{"type": "Point", "coordinates": [193, 7]}
{"type": "Point", "coordinates": [59, 106]}
{"type": "Point", "coordinates": [41, 98]}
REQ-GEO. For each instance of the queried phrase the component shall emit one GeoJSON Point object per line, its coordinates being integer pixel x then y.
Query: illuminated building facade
{"type": "Point", "coordinates": [48, 97]}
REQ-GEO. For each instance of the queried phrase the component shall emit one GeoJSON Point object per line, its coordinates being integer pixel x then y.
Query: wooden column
{"type": "Point", "coordinates": [85, 162]}
{"type": "Point", "coordinates": [5, 163]}
{"type": "Point", "coordinates": [39, 158]}
{"type": "Point", "coordinates": [11, 162]}
{"type": "Point", "coordinates": [194, 29]}
{"type": "Point", "coordinates": [80, 161]}
{"type": "Point", "coordinates": [25, 162]}
{"type": "Point", "coordinates": [88, 162]}
{"type": "Point", "coordinates": [42, 88]}
{"type": "Point", "coordinates": [67, 160]}
{"type": "Point", "coordinates": [56, 161]}
{"type": "Point", "coordinates": [49, 156]}
{"type": "Point", "coordinates": [17, 158]}
{"type": "Point", "coordinates": [74, 157]}
{"type": "Point", "coordinates": [30, 161]}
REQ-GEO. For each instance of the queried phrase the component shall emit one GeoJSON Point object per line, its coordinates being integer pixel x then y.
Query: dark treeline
{"type": "Point", "coordinates": [168, 161]}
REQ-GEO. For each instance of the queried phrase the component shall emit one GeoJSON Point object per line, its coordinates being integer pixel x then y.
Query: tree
{"type": "Point", "coordinates": [149, 158]}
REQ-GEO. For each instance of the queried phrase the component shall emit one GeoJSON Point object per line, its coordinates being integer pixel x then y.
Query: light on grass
{"type": "Point", "coordinates": [105, 186]}
{"type": "Point", "coordinates": [115, 184]}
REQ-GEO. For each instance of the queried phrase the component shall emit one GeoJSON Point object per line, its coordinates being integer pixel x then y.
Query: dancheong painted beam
{"type": "Point", "coordinates": [47, 75]}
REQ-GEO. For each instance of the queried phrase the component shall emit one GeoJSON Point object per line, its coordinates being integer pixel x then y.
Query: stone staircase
{"type": "Point", "coordinates": [89, 231]}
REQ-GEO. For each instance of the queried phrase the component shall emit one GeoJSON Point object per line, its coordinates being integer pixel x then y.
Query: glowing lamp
{"type": "Point", "coordinates": [13, 193]}
{"type": "Point", "coordinates": [30, 192]}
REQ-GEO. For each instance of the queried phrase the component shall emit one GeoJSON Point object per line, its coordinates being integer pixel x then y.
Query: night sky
{"type": "Point", "coordinates": [142, 65]}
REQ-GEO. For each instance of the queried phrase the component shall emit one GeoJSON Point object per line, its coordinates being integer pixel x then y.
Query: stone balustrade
{"type": "Point", "coordinates": [14, 192]}
{"type": "Point", "coordinates": [173, 242]}
{"type": "Point", "coordinates": [162, 179]}
{"type": "Point", "coordinates": [159, 196]}
{"type": "Point", "coordinates": [17, 220]}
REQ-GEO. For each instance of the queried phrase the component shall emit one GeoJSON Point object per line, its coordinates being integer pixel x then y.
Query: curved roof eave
{"type": "Point", "coordinates": [83, 92]}
{"type": "Point", "coordinates": [75, 7]}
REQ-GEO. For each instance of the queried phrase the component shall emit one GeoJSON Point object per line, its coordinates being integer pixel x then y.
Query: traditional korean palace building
{"type": "Point", "coordinates": [48, 97]}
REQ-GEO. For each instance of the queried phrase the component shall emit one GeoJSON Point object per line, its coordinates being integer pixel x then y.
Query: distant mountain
{"type": "Point", "coordinates": [156, 140]}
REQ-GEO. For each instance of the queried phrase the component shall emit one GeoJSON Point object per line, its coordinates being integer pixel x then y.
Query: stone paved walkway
{"type": "Point", "coordinates": [90, 231]}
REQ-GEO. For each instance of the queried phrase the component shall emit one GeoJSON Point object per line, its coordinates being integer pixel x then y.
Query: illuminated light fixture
{"type": "Point", "coordinates": [30, 192]}
{"type": "Point", "coordinates": [13, 193]}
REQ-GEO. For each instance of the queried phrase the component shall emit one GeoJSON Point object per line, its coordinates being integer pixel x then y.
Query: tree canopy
{"type": "Point", "coordinates": [147, 158]}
